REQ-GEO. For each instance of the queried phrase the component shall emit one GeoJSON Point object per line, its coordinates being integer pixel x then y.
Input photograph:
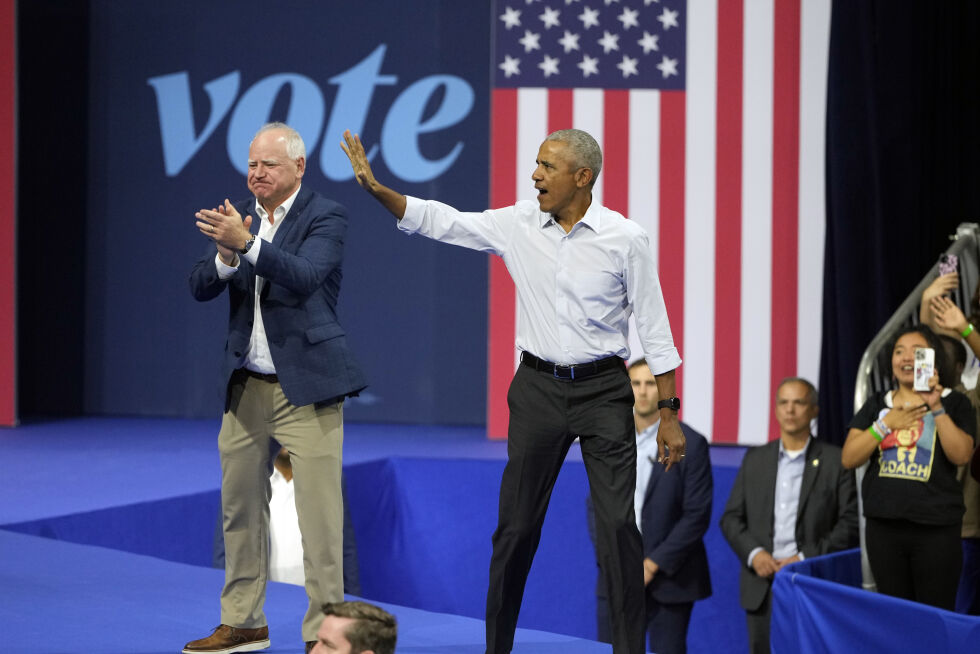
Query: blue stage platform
{"type": "Point", "coordinates": [62, 598]}
{"type": "Point", "coordinates": [423, 502]}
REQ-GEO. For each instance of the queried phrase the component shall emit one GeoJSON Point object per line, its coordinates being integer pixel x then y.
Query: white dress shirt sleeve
{"type": "Point", "coordinates": [224, 271]}
{"type": "Point", "coordinates": [253, 252]}
{"type": "Point", "coordinates": [644, 293]}
{"type": "Point", "coordinates": [487, 231]}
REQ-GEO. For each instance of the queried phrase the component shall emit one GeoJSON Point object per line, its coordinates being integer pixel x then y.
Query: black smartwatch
{"type": "Point", "coordinates": [248, 245]}
{"type": "Point", "coordinates": [670, 403]}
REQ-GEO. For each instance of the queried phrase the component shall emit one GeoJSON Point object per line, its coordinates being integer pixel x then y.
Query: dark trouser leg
{"type": "Point", "coordinates": [537, 443]}
{"type": "Point", "coordinates": [888, 557]}
{"type": "Point", "coordinates": [968, 593]}
{"type": "Point", "coordinates": [937, 559]}
{"type": "Point", "coordinates": [668, 627]}
{"type": "Point", "coordinates": [758, 624]}
{"type": "Point", "coordinates": [601, 415]}
{"type": "Point", "coordinates": [603, 621]}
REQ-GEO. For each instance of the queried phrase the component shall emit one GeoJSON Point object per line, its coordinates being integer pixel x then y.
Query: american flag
{"type": "Point", "coordinates": [710, 114]}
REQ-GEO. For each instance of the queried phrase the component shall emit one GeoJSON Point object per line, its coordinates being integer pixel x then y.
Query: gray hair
{"type": "Point", "coordinates": [295, 148]}
{"type": "Point", "coordinates": [585, 150]}
{"type": "Point", "coordinates": [811, 391]}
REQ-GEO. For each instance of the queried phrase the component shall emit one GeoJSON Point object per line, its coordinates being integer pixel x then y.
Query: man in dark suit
{"type": "Point", "coordinates": [286, 372]}
{"type": "Point", "coordinates": [791, 499]}
{"type": "Point", "coordinates": [673, 509]}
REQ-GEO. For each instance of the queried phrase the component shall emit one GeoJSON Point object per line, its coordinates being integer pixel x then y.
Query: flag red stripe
{"type": "Point", "coordinates": [501, 296]}
{"type": "Point", "coordinates": [728, 222]}
{"type": "Point", "coordinates": [560, 110]}
{"type": "Point", "coordinates": [785, 193]}
{"type": "Point", "coordinates": [670, 258]}
{"type": "Point", "coordinates": [616, 151]}
{"type": "Point", "coordinates": [8, 239]}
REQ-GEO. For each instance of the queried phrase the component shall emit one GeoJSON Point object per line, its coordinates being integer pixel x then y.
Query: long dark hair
{"type": "Point", "coordinates": [943, 366]}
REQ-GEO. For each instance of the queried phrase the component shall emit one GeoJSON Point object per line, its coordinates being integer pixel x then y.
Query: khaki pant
{"type": "Point", "coordinates": [258, 412]}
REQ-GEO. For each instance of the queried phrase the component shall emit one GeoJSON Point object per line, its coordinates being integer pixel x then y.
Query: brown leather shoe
{"type": "Point", "coordinates": [310, 644]}
{"type": "Point", "coordinates": [226, 640]}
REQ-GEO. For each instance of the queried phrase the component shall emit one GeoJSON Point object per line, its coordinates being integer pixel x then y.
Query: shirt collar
{"type": "Point", "coordinates": [592, 218]}
{"type": "Point", "coordinates": [285, 206]}
{"type": "Point", "coordinates": [648, 433]}
{"type": "Point", "coordinates": [800, 454]}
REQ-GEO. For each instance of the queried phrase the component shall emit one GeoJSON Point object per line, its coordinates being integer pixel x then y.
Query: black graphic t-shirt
{"type": "Point", "coordinates": [910, 477]}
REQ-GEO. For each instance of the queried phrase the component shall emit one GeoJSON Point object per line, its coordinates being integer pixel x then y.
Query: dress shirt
{"type": "Point", "coordinates": [576, 290]}
{"type": "Point", "coordinates": [646, 454]}
{"type": "Point", "coordinates": [258, 357]}
{"type": "Point", "coordinates": [786, 504]}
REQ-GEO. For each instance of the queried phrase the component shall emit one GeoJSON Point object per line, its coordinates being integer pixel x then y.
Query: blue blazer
{"type": "Point", "coordinates": [302, 271]}
{"type": "Point", "coordinates": [675, 516]}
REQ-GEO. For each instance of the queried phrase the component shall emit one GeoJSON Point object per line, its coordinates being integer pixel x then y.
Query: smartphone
{"type": "Point", "coordinates": [925, 367]}
{"type": "Point", "coordinates": [947, 264]}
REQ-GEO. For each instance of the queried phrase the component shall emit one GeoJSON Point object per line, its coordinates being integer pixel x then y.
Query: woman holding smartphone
{"type": "Point", "coordinates": [912, 501]}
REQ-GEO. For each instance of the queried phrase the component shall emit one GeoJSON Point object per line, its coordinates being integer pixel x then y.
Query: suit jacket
{"type": "Point", "coordinates": [826, 519]}
{"type": "Point", "coordinates": [675, 516]}
{"type": "Point", "coordinates": [302, 271]}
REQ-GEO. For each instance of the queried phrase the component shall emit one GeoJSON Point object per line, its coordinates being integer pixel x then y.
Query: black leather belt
{"type": "Point", "coordinates": [577, 371]}
{"type": "Point", "coordinates": [272, 379]}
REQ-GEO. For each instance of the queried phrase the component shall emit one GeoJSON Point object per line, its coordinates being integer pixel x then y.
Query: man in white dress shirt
{"type": "Point", "coordinates": [580, 271]}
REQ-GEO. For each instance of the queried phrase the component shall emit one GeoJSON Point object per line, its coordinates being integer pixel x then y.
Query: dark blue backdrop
{"type": "Point", "coordinates": [178, 89]}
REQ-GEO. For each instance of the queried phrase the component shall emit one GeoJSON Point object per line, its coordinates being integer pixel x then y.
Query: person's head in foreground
{"type": "Point", "coordinates": [356, 628]}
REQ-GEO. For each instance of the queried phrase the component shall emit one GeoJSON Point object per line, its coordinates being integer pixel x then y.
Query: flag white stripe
{"type": "Point", "coordinates": [644, 178]}
{"type": "Point", "coordinates": [644, 162]}
{"type": "Point", "coordinates": [588, 114]}
{"type": "Point", "coordinates": [814, 55]}
{"type": "Point", "coordinates": [532, 128]}
{"type": "Point", "coordinates": [756, 298]}
{"type": "Point", "coordinates": [699, 215]}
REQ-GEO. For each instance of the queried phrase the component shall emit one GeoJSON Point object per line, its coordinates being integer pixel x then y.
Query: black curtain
{"type": "Point", "coordinates": [52, 164]}
{"type": "Point", "coordinates": [903, 168]}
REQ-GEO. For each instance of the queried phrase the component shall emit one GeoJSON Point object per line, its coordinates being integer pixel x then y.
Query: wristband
{"type": "Point", "coordinates": [966, 332]}
{"type": "Point", "coordinates": [883, 429]}
{"type": "Point", "coordinates": [940, 411]}
{"type": "Point", "coordinates": [874, 432]}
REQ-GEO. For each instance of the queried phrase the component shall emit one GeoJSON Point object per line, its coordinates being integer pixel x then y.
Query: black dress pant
{"type": "Point", "coordinates": [916, 562]}
{"type": "Point", "coordinates": [546, 415]}
{"type": "Point", "coordinates": [666, 625]}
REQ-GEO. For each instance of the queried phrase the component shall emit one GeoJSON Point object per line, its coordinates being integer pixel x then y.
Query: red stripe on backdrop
{"type": "Point", "coordinates": [670, 258]}
{"type": "Point", "coordinates": [616, 151]}
{"type": "Point", "coordinates": [8, 208]}
{"type": "Point", "coordinates": [728, 222]}
{"type": "Point", "coordinates": [785, 193]}
{"type": "Point", "coordinates": [560, 111]}
{"type": "Point", "coordinates": [501, 295]}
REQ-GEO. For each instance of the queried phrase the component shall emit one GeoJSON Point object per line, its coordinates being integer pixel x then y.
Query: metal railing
{"type": "Point", "coordinates": [874, 372]}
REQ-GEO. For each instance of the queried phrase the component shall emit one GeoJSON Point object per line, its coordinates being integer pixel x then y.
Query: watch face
{"type": "Point", "coordinates": [671, 403]}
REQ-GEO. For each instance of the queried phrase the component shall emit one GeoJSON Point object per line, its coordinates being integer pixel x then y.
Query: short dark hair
{"type": "Point", "coordinates": [373, 629]}
{"type": "Point", "coordinates": [811, 391]}
{"type": "Point", "coordinates": [636, 364]}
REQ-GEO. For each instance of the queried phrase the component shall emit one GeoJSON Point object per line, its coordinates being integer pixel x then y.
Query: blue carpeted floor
{"type": "Point", "coordinates": [150, 487]}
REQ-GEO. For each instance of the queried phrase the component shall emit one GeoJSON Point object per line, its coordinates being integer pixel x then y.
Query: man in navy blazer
{"type": "Point", "coordinates": [286, 372]}
{"type": "Point", "coordinates": [674, 511]}
{"type": "Point", "coordinates": [791, 499]}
